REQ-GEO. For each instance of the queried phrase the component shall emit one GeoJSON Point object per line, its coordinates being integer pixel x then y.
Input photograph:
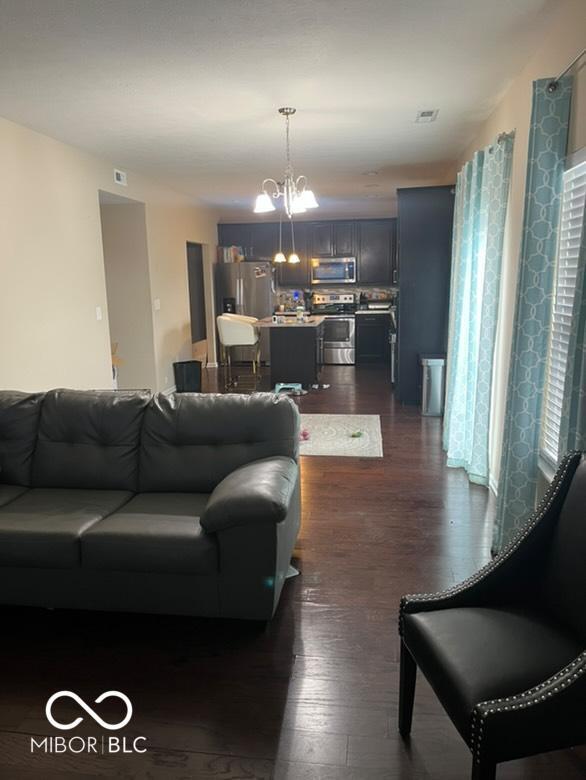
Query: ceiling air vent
{"type": "Point", "coordinates": [430, 115]}
{"type": "Point", "coordinates": [120, 177]}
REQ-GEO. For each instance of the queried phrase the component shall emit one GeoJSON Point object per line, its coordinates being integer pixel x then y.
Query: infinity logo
{"type": "Point", "coordinates": [83, 705]}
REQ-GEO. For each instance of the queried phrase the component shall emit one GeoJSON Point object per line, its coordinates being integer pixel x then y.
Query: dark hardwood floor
{"type": "Point", "coordinates": [312, 695]}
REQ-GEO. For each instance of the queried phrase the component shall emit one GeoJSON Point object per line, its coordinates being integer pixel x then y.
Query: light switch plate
{"type": "Point", "coordinates": [99, 315]}
{"type": "Point", "coordinates": [157, 304]}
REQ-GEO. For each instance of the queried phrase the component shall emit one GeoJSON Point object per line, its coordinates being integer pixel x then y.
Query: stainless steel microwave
{"type": "Point", "coordinates": [333, 270]}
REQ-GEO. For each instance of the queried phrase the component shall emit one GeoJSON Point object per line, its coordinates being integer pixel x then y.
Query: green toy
{"type": "Point", "coordinates": [356, 434]}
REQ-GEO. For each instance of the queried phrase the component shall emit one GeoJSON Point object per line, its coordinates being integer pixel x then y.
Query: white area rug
{"type": "Point", "coordinates": [331, 434]}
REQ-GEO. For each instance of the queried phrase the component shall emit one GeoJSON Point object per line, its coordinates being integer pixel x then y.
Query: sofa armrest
{"type": "Point", "coordinates": [514, 572]}
{"type": "Point", "coordinates": [258, 492]}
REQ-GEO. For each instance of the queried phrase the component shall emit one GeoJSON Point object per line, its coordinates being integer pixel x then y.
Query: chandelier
{"type": "Point", "coordinates": [297, 198]}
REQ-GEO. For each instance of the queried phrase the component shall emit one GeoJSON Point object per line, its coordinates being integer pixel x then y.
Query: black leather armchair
{"type": "Point", "coordinates": [505, 651]}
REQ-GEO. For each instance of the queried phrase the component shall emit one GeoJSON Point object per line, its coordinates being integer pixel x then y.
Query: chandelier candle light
{"type": "Point", "coordinates": [297, 198]}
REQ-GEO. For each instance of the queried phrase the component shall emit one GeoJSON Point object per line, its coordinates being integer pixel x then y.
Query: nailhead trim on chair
{"type": "Point", "coordinates": [520, 701]}
{"type": "Point", "coordinates": [538, 514]}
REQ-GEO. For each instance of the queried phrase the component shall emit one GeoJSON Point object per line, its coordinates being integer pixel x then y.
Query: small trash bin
{"type": "Point", "coordinates": [433, 379]}
{"type": "Point", "coordinates": [187, 376]}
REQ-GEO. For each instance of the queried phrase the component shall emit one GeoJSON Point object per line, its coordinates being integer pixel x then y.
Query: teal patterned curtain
{"type": "Point", "coordinates": [482, 191]}
{"type": "Point", "coordinates": [548, 135]}
{"type": "Point", "coordinates": [573, 427]}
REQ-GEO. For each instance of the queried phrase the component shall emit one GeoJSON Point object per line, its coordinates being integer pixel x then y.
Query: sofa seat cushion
{"type": "Point", "coordinates": [9, 492]}
{"type": "Point", "coordinates": [470, 655]}
{"type": "Point", "coordinates": [41, 528]}
{"type": "Point", "coordinates": [154, 532]}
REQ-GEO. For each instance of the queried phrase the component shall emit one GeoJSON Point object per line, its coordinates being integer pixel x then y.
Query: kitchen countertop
{"type": "Point", "coordinates": [291, 322]}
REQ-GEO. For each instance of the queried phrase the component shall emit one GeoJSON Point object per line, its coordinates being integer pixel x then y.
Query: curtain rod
{"type": "Point", "coordinates": [553, 85]}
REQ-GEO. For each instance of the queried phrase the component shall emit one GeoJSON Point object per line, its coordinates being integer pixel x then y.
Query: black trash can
{"type": "Point", "coordinates": [187, 376]}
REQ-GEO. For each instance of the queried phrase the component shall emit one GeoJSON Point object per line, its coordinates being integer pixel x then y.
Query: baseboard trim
{"type": "Point", "coordinates": [211, 365]}
{"type": "Point", "coordinates": [170, 390]}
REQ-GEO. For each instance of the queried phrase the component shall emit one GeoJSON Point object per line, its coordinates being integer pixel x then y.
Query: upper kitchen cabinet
{"type": "Point", "coordinates": [295, 275]}
{"type": "Point", "coordinates": [332, 239]}
{"type": "Point", "coordinates": [236, 235]}
{"type": "Point", "coordinates": [264, 240]}
{"type": "Point", "coordinates": [376, 251]}
{"type": "Point", "coordinates": [344, 239]}
{"type": "Point", "coordinates": [321, 239]}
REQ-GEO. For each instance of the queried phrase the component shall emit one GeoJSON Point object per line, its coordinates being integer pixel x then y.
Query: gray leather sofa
{"type": "Point", "coordinates": [186, 504]}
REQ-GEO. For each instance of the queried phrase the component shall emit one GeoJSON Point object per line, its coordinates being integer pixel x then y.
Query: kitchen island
{"type": "Point", "coordinates": [296, 349]}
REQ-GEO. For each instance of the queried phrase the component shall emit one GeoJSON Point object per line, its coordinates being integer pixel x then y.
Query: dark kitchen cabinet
{"type": "Point", "coordinates": [425, 248]}
{"type": "Point", "coordinates": [371, 241]}
{"type": "Point", "coordinates": [264, 240]}
{"type": "Point", "coordinates": [322, 239]}
{"type": "Point", "coordinates": [296, 275]}
{"type": "Point", "coordinates": [236, 235]}
{"type": "Point", "coordinates": [372, 338]}
{"type": "Point", "coordinates": [344, 244]}
{"type": "Point", "coordinates": [394, 253]}
{"type": "Point", "coordinates": [296, 354]}
{"type": "Point", "coordinates": [333, 239]}
{"type": "Point", "coordinates": [376, 242]}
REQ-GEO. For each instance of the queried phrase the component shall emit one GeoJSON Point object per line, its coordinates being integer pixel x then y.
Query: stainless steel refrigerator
{"type": "Point", "coordinates": [246, 288]}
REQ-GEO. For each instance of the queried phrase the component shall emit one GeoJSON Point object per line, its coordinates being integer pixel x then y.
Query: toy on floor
{"type": "Point", "coordinates": [289, 388]}
{"type": "Point", "coordinates": [304, 434]}
{"type": "Point", "coordinates": [356, 434]}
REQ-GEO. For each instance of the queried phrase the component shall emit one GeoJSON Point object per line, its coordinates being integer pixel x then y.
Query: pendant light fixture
{"type": "Point", "coordinates": [280, 257]}
{"type": "Point", "coordinates": [297, 198]}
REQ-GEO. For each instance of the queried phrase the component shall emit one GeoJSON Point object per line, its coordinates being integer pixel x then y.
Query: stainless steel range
{"type": "Point", "coordinates": [339, 327]}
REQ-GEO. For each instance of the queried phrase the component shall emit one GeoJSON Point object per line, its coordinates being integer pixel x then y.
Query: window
{"type": "Point", "coordinates": [571, 217]}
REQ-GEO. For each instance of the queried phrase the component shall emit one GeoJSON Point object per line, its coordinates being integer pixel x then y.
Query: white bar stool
{"type": "Point", "coordinates": [238, 330]}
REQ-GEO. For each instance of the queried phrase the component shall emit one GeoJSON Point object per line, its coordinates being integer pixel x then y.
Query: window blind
{"type": "Point", "coordinates": [571, 218]}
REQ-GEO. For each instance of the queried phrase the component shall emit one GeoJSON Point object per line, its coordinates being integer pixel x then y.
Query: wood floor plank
{"type": "Point", "coordinates": [313, 696]}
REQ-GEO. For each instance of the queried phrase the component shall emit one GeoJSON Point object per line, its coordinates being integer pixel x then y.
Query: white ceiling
{"type": "Point", "coordinates": [187, 91]}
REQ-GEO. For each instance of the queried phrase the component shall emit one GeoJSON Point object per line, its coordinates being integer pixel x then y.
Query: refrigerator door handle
{"type": "Point", "coordinates": [239, 295]}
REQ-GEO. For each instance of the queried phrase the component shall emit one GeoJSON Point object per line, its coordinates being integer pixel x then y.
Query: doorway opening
{"type": "Point", "coordinates": [197, 306]}
{"type": "Point", "coordinates": [128, 291]}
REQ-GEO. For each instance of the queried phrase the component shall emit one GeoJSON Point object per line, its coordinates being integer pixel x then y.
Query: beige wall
{"type": "Point", "coordinates": [52, 266]}
{"type": "Point", "coordinates": [128, 287]}
{"type": "Point", "coordinates": [565, 38]}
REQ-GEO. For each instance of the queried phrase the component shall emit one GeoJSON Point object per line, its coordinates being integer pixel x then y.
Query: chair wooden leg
{"type": "Point", "coordinates": [408, 676]}
{"type": "Point", "coordinates": [228, 369]}
{"type": "Point", "coordinates": [483, 770]}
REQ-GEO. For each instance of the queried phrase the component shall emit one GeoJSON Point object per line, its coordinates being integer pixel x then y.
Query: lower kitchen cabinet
{"type": "Point", "coordinates": [372, 338]}
{"type": "Point", "coordinates": [296, 354]}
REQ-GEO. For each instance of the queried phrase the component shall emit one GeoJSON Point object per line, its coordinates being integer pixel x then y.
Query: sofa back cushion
{"type": "Point", "coordinates": [89, 439]}
{"type": "Point", "coordinates": [564, 580]}
{"type": "Point", "coordinates": [19, 420]}
{"type": "Point", "coordinates": [191, 441]}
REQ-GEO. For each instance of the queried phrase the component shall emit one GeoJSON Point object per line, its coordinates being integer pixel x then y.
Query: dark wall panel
{"type": "Point", "coordinates": [425, 245]}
